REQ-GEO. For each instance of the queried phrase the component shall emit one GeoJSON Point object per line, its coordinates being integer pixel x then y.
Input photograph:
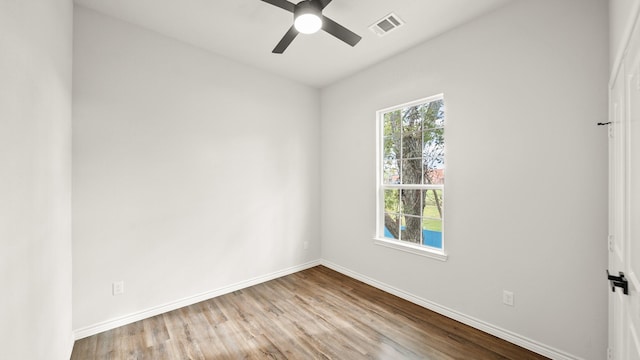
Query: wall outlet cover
{"type": "Point", "coordinates": [507, 297]}
{"type": "Point", "coordinates": [118, 288]}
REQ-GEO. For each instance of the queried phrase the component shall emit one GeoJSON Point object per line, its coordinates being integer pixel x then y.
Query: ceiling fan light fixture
{"type": "Point", "coordinates": [307, 17]}
{"type": "Point", "coordinates": [308, 23]}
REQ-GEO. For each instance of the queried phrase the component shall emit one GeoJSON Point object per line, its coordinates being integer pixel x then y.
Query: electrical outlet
{"type": "Point", "coordinates": [118, 288]}
{"type": "Point", "coordinates": [507, 297]}
{"type": "Point", "coordinates": [305, 245]}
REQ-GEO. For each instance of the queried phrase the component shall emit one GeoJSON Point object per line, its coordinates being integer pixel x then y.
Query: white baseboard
{"type": "Point", "coordinates": [157, 310]}
{"type": "Point", "coordinates": [450, 313]}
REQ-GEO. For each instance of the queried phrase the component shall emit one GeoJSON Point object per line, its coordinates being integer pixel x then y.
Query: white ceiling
{"type": "Point", "coordinates": [247, 30]}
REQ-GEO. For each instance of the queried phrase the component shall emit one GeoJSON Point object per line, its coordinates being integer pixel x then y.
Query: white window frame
{"type": "Point", "coordinates": [379, 239]}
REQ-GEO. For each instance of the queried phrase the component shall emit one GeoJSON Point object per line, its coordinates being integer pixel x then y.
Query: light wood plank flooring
{"type": "Point", "coordinates": [314, 314]}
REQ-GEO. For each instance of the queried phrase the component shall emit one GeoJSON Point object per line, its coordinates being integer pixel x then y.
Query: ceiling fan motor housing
{"type": "Point", "coordinates": [307, 7]}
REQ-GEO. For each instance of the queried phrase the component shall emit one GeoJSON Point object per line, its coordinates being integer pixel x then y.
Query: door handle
{"type": "Point", "coordinates": [618, 281]}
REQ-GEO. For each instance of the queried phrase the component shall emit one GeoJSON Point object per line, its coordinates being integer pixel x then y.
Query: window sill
{"type": "Point", "coordinates": [413, 249]}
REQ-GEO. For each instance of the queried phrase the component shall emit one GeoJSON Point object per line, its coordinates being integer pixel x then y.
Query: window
{"type": "Point", "coordinates": [411, 176]}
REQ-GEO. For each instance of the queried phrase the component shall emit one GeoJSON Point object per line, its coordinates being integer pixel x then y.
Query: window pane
{"type": "Point", "coordinates": [391, 147]}
{"type": "Point", "coordinates": [433, 176]}
{"type": "Point", "coordinates": [432, 221]}
{"type": "Point", "coordinates": [433, 204]}
{"type": "Point", "coordinates": [392, 201]}
{"type": "Point", "coordinates": [412, 171]}
{"type": "Point", "coordinates": [433, 155]}
{"type": "Point", "coordinates": [412, 119]}
{"type": "Point", "coordinates": [391, 172]}
{"type": "Point", "coordinates": [391, 150]}
{"type": "Point", "coordinates": [391, 123]}
{"type": "Point", "coordinates": [411, 202]}
{"type": "Point", "coordinates": [412, 230]}
{"type": "Point", "coordinates": [432, 237]}
{"type": "Point", "coordinates": [392, 225]}
{"type": "Point", "coordinates": [411, 145]}
{"type": "Point", "coordinates": [433, 114]}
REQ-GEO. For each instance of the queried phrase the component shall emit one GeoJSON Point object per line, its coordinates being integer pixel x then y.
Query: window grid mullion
{"type": "Point", "coordinates": [413, 186]}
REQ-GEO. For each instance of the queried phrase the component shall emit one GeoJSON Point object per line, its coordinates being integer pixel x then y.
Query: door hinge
{"type": "Point", "coordinates": [610, 243]}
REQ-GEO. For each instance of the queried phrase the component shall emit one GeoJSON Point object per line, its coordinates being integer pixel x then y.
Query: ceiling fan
{"type": "Point", "coordinates": [308, 19]}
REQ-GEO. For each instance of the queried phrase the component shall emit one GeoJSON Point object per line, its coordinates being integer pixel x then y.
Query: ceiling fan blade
{"type": "Point", "coordinates": [340, 31]}
{"type": "Point", "coordinates": [286, 40]}
{"type": "Point", "coordinates": [283, 4]}
{"type": "Point", "coordinates": [324, 3]}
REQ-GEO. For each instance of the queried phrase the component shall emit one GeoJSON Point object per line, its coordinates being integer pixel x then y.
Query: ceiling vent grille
{"type": "Point", "coordinates": [386, 25]}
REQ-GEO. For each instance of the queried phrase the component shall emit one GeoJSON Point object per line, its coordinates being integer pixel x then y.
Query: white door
{"type": "Point", "coordinates": [624, 204]}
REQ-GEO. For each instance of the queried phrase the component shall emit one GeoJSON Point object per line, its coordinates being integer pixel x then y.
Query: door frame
{"type": "Point", "coordinates": [623, 324]}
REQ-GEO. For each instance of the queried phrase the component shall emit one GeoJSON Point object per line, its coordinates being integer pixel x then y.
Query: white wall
{"type": "Point", "coordinates": [526, 187]}
{"type": "Point", "coordinates": [191, 172]}
{"type": "Point", "coordinates": [35, 179]}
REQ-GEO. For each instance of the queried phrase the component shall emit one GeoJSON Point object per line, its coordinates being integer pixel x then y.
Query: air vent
{"type": "Point", "coordinates": [386, 25]}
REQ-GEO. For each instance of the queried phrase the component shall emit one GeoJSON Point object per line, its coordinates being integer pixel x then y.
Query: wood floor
{"type": "Point", "coordinates": [314, 314]}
